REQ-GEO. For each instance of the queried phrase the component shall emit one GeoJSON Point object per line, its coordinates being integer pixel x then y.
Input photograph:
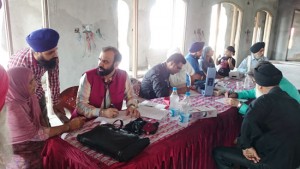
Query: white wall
{"type": "Point", "coordinates": [67, 15]}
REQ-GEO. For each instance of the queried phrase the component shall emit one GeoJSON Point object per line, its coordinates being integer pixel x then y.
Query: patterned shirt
{"type": "Point", "coordinates": [25, 58]}
{"type": "Point", "coordinates": [83, 95]}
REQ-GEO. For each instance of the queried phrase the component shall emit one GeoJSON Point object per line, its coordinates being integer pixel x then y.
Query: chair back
{"type": "Point", "coordinates": [136, 85]}
{"type": "Point", "coordinates": [68, 98]}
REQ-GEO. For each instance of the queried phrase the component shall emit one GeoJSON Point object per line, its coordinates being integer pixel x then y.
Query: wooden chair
{"type": "Point", "coordinates": [136, 85]}
{"type": "Point", "coordinates": [68, 101]}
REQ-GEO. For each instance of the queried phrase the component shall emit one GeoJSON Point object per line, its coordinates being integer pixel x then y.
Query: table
{"type": "Point", "coordinates": [171, 147]}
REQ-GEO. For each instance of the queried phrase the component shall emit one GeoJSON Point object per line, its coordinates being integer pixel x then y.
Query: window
{"type": "Point", "coordinates": [123, 21]}
{"type": "Point", "coordinates": [262, 28]}
{"type": "Point", "coordinates": [225, 27]}
{"type": "Point", "coordinates": [167, 24]}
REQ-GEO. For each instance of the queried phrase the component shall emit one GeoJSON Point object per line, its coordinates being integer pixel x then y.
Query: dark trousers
{"type": "Point", "coordinates": [44, 112]}
{"type": "Point", "coordinates": [228, 157]}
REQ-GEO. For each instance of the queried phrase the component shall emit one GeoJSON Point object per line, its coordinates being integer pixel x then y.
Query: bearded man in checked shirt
{"type": "Point", "coordinates": [42, 57]}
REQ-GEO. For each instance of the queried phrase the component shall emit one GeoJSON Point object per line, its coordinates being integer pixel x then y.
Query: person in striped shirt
{"type": "Point", "coordinates": [41, 57]}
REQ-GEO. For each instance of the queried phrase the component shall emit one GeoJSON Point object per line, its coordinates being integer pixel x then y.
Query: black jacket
{"type": "Point", "coordinates": [156, 82]}
{"type": "Point", "coordinates": [272, 127]}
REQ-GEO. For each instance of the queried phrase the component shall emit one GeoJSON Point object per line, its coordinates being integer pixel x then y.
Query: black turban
{"type": "Point", "coordinates": [266, 74]}
{"type": "Point", "coordinates": [257, 46]}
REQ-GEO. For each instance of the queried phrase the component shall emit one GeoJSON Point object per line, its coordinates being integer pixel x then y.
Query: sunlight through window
{"type": "Point", "coordinates": [224, 27]}
{"type": "Point", "coordinates": [167, 24]}
{"type": "Point", "coordinates": [3, 49]}
{"type": "Point", "coordinates": [123, 20]}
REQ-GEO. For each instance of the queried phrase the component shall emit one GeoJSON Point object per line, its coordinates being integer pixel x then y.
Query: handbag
{"type": "Point", "coordinates": [114, 142]}
{"type": "Point", "coordinates": [140, 126]}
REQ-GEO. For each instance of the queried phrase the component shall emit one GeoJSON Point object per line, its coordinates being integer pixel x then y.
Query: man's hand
{"type": "Point", "coordinates": [58, 108]}
{"type": "Point", "coordinates": [250, 154]}
{"type": "Point", "coordinates": [231, 94]}
{"type": "Point", "coordinates": [232, 102]}
{"type": "Point", "coordinates": [133, 112]}
{"type": "Point", "coordinates": [109, 113]}
{"type": "Point", "coordinates": [76, 123]}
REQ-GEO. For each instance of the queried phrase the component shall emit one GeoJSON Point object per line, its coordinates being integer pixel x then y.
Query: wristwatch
{"type": "Point", "coordinates": [132, 106]}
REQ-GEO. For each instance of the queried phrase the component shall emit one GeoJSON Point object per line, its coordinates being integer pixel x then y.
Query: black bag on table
{"type": "Point", "coordinates": [115, 142]}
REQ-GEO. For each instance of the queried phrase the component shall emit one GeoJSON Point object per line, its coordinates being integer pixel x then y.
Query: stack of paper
{"type": "Point", "coordinates": [152, 112]}
{"type": "Point", "coordinates": [152, 104]}
{"type": "Point", "coordinates": [224, 100]}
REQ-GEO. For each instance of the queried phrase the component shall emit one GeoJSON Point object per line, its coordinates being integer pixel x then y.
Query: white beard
{"type": "Point", "coordinates": [258, 93]}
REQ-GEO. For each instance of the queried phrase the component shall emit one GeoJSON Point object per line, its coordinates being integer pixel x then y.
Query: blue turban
{"type": "Point", "coordinates": [42, 40]}
{"type": "Point", "coordinates": [197, 46]}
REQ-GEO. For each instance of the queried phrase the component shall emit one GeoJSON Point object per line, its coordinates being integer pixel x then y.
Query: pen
{"type": "Point", "coordinates": [231, 91]}
{"type": "Point", "coordinates": [112, 106]}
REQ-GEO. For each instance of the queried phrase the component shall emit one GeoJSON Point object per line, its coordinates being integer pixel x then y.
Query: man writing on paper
{"type": "Point", "coordinates": [102, 90]}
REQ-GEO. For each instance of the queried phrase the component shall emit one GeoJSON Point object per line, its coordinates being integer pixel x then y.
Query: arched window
{"type": "Point", "coordinates": [167, 24]}
{"type": "Point", "coordinates": [123, 21]}
{"type": "Point", "coordinates": [262, 28]}
{"type": "Point", "coordinates": [225, 27]}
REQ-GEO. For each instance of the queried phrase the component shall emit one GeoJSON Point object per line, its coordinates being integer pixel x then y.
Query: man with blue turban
{"type": "Point", "coordinates": [40, 57]}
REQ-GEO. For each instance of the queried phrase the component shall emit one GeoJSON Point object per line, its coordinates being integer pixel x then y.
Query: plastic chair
{"type": "Point", "coordinates": [68, 101]}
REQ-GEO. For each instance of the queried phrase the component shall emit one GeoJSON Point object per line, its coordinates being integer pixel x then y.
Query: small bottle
{"type": "Point", "coordinates": [188, 80]}
{"type": "Point", "coordinates": [174, 104]}
{"type": "Point", "coordinates": [247, 82]}
{"type": "Point", "coordinates": [184, 116]}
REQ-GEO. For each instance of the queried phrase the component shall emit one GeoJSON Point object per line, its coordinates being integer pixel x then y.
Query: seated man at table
{"type": "Point", "coordinates": [156, 81]}
{"type": "Point", "coordinates": [102, 90]}
{"type": "Point", "coordinates": [251, 61]}
{"type": "Point", "coordinates": [194, 55]}
{"type": "Point", "coordinates": [270, 131]}
{"type": "Point", "coordinates": [284, 84]}
{"type": "Point", "coordinates": [185, 77]}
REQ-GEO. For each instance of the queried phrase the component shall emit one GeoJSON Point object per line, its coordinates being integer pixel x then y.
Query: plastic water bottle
{"type": "Point", "coordinates": [174, 104]}
{"type": "Point", "coordinates": [184, 116]}
{"type": "Point", "coordinates": [188, 80]}
{"type": "Point", "coordinates": [247, 82]}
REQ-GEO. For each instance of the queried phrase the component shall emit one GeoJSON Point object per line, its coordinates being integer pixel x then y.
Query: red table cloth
{"type": "Point", "coordinates": [172, 146]}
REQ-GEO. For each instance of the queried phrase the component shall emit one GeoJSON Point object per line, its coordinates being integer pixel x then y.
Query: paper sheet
{"type": "Point", "coordinates": [203, 108]}
{"type": "Point", "coordinates": [223, 100]}
{"type": "Point", "coordinates": [152, 112]}
{"type": "Point", "coordinates": [121, 116]}
{"type": "Point", "coordinates": [152, 104]}
{"type": "Point", "coordinates": [194, 93]}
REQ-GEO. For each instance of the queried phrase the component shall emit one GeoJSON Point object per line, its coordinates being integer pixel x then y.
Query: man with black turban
{"type": "Point", "coordinates": [40, 57]}
{"type": "Point", "coordinates": [270, 136]}
{"type": "Point", "coordinates": [251, 61]}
